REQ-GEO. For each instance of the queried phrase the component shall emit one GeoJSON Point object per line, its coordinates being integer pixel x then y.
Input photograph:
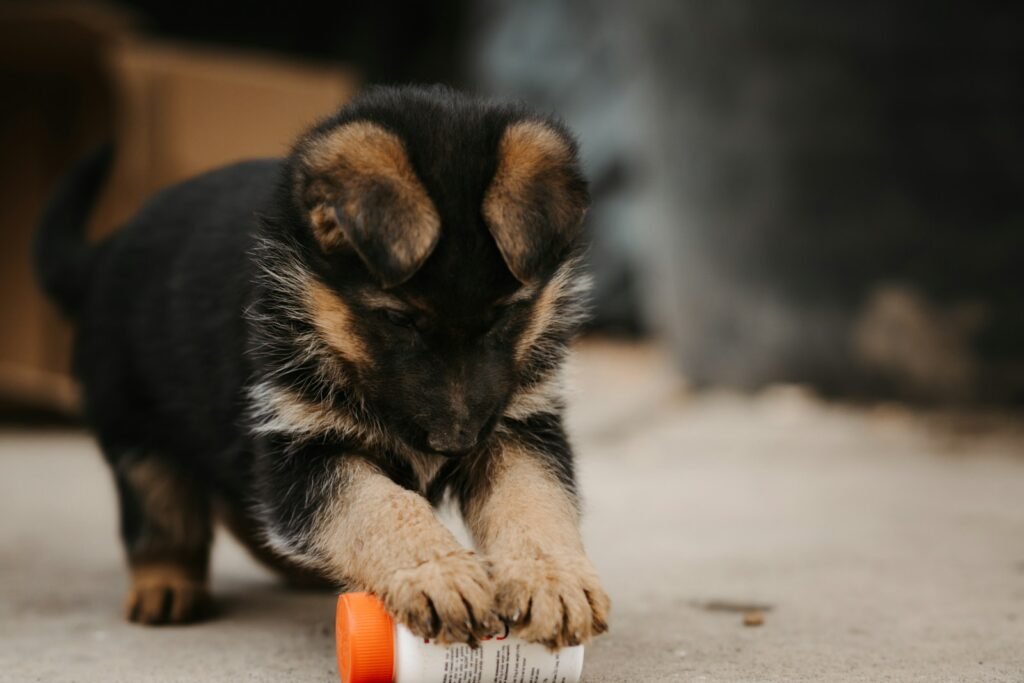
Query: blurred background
{"type": "Point", "coordinates": [800, 393]}
{"type": "Point", "coordinates": [818, 193]}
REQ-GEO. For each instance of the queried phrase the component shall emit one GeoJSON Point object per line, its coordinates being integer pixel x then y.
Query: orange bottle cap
{"type": "Point", "coordinates": [365, 635]}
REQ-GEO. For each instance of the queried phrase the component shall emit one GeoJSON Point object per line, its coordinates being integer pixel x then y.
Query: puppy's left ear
{"type": "Point", "coordinates": [535, 205]}
{"type": "Point", "coordinates": [360, 192]}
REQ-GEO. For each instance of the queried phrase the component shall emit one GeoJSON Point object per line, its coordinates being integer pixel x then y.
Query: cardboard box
{"type": "Point", "coordinates": [77, 76]}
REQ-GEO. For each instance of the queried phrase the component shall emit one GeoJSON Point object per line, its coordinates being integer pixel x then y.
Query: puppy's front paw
{"type": "Point", "coordinates": [164, 595]}
{"type": "Point", "coordinates": [552, 600]}
{"type": "Point", "coordinates": [450, 599]}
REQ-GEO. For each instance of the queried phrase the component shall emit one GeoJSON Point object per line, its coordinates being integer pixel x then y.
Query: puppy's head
{"type": "Point", "coordinates": [439, 230]}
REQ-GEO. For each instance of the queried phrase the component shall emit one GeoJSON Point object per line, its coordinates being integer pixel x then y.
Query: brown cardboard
{"type": "Point", "coordinates": [186, 110]}
{"type": "Point", "coordinates": [77, 75]}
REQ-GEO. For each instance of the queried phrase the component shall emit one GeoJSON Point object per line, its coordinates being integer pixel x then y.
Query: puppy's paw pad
{"type": "Point", "coordinates": [450, 599]}
{"type": "Point", "coordinates": [555, 601]}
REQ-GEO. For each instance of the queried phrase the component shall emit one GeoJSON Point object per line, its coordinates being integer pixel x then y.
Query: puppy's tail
{"type": "Point", "coordinates": [60, 251]}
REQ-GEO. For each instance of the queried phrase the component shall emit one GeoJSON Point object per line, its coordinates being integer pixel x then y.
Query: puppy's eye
{"type": "Point", "coordinates": [400, 319]}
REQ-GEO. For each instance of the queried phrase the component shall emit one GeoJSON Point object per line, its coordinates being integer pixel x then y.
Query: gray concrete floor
{"type": "Point", "coordinates": [888, 545]}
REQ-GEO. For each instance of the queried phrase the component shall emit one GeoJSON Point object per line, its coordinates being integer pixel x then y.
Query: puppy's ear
{"type": "Point", "coordinates": [360, 192]}
{"type": "Point", "coordinates": [535, 205]}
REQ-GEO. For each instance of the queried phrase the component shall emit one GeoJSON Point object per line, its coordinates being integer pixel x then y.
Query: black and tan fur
{"type": "Point", "coordinates": [322, 347]}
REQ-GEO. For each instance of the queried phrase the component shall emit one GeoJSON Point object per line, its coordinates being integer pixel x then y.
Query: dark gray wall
{"type": "Point", "coordinates": [799, 191]}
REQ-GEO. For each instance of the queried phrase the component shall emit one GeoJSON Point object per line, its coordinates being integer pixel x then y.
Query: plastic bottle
{"type": "Point", "coordinates": [373, 649]}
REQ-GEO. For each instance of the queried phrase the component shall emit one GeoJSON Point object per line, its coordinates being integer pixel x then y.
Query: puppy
{"type": "Point", "coordinates": [317, 349]}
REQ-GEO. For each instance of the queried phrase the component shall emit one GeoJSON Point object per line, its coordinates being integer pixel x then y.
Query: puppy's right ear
{"type": "Point", "coordinates": [360, 192]}
{"type": "Point", "coordinates": [535, 204]}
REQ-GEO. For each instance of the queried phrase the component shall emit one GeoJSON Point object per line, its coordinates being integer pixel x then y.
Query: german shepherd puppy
{"type": "Point", "coordinates": [317, 349]}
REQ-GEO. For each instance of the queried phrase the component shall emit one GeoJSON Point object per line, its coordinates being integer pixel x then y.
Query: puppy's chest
{"type": "Point", "coordinates": [425, 468]}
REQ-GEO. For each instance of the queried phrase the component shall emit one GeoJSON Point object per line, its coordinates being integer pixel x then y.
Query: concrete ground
{"type": "Point", "coordinates": [883, 545]}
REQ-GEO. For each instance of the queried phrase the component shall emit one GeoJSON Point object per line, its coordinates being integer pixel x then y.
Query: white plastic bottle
{"type": "Point", "coordinates": [373, 649]}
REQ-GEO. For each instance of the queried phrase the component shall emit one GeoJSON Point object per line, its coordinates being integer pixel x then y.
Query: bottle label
{"type": "Point", "coordinates": [508, 664]}
{"type": "Point", "coordinates": [498, 660]}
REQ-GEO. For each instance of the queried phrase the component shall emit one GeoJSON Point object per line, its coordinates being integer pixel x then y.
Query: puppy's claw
{"type": "Point", "coordinates": [555, 601]}
{"type": "Point", "coordinates": [448, 599]}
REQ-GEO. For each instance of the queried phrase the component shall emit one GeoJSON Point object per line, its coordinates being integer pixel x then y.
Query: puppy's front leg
{"type": "Point", "coordinates": [368, 532]}
{"type": "Point", "coordinates": [522, 512]}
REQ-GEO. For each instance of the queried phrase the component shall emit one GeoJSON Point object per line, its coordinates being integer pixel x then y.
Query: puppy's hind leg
{"type": "Point", "coordinates": [166, 528]}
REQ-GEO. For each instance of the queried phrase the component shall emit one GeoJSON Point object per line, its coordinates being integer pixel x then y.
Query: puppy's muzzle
{"type": "Point", "coordinates": [458, 437]}
{"type": "Point", "coordinates": [455, 440]}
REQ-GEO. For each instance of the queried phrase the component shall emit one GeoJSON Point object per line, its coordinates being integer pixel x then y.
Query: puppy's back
{"type": "Point", "coordinates": [160, 336]}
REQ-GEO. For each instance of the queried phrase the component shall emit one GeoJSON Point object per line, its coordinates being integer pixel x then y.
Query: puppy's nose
{"type": "Point", "coordinates": [454, 441]}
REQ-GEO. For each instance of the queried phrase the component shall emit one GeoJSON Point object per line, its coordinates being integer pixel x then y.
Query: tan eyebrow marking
{"type": "Point", "coordinates": [333, 319]}
{"type": "Point", "coordinates": [524, 293]}
{"type": "Point", "coordinates": [378, 299]}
